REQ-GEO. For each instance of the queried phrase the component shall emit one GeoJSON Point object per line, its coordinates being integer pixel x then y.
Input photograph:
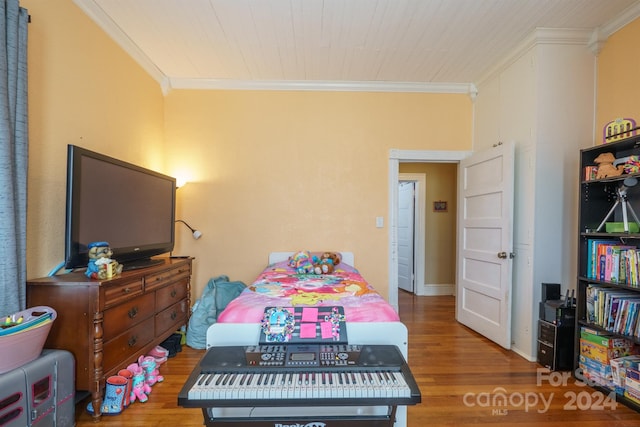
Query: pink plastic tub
{"type": "Point", "coordinates": [23, 343]}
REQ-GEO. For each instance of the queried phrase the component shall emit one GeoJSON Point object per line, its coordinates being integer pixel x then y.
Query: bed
{"type": "Point", "coordinates": [281, 285]}
{"type": "Point", "coordinates": [369, 318]}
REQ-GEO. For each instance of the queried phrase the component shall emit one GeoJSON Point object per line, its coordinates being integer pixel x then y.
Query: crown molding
{"type": "Point", "coordinates": [540, 36]}
{"type": "Point", "coordinates": [95, 12]}
{"type": "Point", "coordinates": [593, 39]}
{"type": "Point", "coordinates": [322, 85]}
{"type": "Point", "coordinates": [600, 35]}
{"type": "Point", "coordinates": [628, 15]}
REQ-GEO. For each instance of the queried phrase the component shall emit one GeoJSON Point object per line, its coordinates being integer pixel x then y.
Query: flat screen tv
{"type": "Point", "coordinates": [128, 206]}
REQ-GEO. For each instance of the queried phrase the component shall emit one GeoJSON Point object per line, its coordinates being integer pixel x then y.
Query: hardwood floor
{"type": "Point", "coordinates": [459, 373]}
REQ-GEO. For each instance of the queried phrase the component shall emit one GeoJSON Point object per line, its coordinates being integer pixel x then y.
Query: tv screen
{"type": "Point", "coordinates": [128, 206]}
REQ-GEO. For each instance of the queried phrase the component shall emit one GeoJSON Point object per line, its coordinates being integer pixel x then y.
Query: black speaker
{"type": "Point", "coordinates": [223, 357]}
{"type": "Point", "coordinates": [550, 291]}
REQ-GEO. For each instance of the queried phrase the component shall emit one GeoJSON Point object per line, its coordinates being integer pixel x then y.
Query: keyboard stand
{"type": "Point", "coordinates": [284, 420]}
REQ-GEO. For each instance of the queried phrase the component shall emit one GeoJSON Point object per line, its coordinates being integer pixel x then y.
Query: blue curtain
{"type": "Point", "coordinates": [13, 156]}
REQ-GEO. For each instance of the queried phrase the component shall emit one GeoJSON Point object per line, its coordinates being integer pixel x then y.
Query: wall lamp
{"type": "Point", "coordinates": [196, 233]}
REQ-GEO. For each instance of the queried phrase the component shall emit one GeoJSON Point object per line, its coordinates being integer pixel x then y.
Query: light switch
{"type": "Point", "coordinates": [379, 221]}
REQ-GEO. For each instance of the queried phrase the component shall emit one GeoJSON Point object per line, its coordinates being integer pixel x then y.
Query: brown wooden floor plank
{"type": "Point", "coordinates": [449, 362]}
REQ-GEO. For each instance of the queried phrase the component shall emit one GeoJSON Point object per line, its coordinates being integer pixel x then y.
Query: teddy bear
{"type": "Point", "coordinates": [323, 266]}
{"type": "Point", "coordinates": [335, 257]}
{"type": "Point", "coordinates": [326, 263]}
{"type": "Point", "coordinates": [605, 166]}
{"type": "Point", "coordinates": [101, 266]}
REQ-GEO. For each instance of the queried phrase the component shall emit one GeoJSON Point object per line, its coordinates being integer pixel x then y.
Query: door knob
{"type": "Point", "coordinates": [504, 255]}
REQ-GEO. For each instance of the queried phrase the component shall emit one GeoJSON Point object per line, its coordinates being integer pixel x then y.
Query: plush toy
{"type": "Point", "coordinates": [301, 262]}
{"type": "Point", "coordinates": [335, 257]}
{"type": "Point", "coordinates": [101, 266]}
{"type": "Point", "coordinates": [630, 164]}
{"type": "Point", "coordinates": [151, 373]}
{"type": "Point", "coordinates": [605, 166]}
{"type": "Point", "coordinates": [139, 388]}
{"type": "Point", "coordinates": [326, 263]}
{"type": "Point", "coordinates": [323, 266]}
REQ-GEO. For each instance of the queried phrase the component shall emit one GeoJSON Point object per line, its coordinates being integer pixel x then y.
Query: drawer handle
{"type": "Point", "coordinates": [133, 312]}
{"type": "Point", "coordinates": [133, 340]}
{"type": "Point", "coordinates": [127, 290]}
{"type": "Point", "coordinates": [174, 315]}
{"type": "Point", "coordinates": [174, 293]}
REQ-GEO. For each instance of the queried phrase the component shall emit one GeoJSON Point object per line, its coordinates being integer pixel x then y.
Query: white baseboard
{"type": "Point", "coordinates": [435, 289]}
{"type": "Point", "coordinates": [524, 355]}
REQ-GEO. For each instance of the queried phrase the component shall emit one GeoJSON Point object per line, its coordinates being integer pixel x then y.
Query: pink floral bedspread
{"type": "Point", "coordinates": [279, 286]}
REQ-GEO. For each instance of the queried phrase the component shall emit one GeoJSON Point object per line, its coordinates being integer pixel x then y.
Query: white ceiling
{"type": "Point", "coordinates": [415, 45]}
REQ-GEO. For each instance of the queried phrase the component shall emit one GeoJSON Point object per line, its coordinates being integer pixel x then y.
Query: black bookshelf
{"type": "Point", "coordinates": [596, 199]}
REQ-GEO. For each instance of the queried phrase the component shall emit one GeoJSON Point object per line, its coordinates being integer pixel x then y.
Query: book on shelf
{"type": "Point", "coordinates": [609, 261]}
{"type": "Point", "coordinates": [591, 296]}
{"type": "Point", "coordinates": [615, 310]}
{"type": "Point", "coordinates": [626, 323]}
{"type": "Point", "coordinates": [590, 172]}
{"type": "Point", "coordinates": [595, 248]}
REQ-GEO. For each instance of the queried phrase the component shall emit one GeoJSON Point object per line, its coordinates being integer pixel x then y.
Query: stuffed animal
{"type": "Point", "coordinates": [327, 263]}
{"type": "Point", "coordinates": [151, 372]}
{"type": "Point", "coordinates": [101, 266]}
{"type": "Point", "coordinates": [605, 166]}
{"type": "Point", "coordinates": [335, 257]}
{"type": "Point", "coordinates": [323, 266]}
{"type": "Point", "coordinates": [301, 262]}
{"type": "Point", "coordinates": [139, 388]}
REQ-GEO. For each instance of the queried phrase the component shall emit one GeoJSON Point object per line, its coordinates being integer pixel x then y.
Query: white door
{"type": "Point", "coordinates": [485, 243]}
{"type": "Point", "coordinates": [405, 235]}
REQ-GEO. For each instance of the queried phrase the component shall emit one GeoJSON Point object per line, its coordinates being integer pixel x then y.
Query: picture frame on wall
{"type": "Point", "coordinates": [440, 206]}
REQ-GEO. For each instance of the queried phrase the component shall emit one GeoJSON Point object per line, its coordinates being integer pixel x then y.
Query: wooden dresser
{"type": "Point", "coordinates": [108, 324]}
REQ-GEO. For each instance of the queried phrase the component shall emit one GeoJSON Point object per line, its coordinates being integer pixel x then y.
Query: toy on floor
{"type": "Point", "coordinates": [139, 388]}
{"type": "Point", "coordinates": [150, 368]}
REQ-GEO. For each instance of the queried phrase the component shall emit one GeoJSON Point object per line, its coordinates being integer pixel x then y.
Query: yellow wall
{"type": "Point", "coordinates": [83, 90]}
{"type": "Point", "coordinates": [269, 170]}
{"type": "Point", "coordinates": [440, 227]}
{"type": "Point", "coordinates": [618, 78]}
{"type": "Point", "coordinates": [297, 170]}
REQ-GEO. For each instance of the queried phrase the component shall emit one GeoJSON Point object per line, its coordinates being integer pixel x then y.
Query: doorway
{"type": "Point", "coordinates": [395, 158]}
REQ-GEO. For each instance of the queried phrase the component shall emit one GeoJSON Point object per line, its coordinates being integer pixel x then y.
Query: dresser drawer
{"type": "Point", "coordinates": [119, 319]}
{"type": "Point", "coordinates": [157, 280]}
{"type": "Point", "coordinates": [128, 346]}
{"type": "Point", "coordinates": [171, 317]}
{"type": "Point", "coordinates": [171, 294]}
{"type": "Point", "coordinates": [118, 293]}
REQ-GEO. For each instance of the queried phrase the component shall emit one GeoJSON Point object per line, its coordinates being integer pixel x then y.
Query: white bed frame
{"type": "Point", "coordinates": [347, 257]}
{"type": "Point", "coordinates": [245, 334]}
